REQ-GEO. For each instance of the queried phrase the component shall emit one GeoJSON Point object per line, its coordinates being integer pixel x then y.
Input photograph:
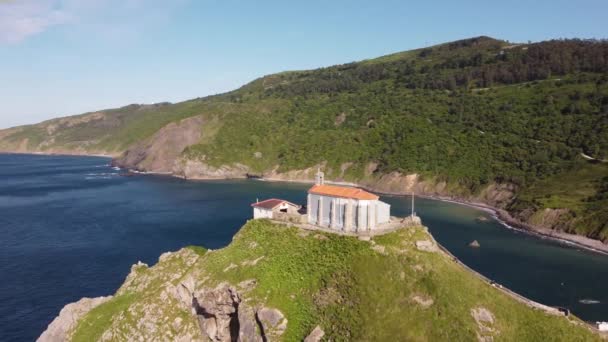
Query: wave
{"type": "Point", "coordinates": [589, 301]}
{"type": "Point", "coordinates": [103, 175]}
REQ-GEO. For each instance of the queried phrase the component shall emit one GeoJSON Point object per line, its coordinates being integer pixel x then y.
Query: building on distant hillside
{"type": "Point", "coordinates": [344, 208]}
{"type": "Point", "coordinates": [277, 209]}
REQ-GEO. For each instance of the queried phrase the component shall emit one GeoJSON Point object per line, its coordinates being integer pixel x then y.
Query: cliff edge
{"type": "Point", "coordinates": [275, 282]}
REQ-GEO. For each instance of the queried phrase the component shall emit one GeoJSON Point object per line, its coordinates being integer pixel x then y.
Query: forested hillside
{"type": "Point", "coordinates": [466, 115]}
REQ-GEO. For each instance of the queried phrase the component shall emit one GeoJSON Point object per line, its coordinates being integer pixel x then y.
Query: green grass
{"type": "Point", "coordinates": [579, 190]}
{"type": "Point", "coordinates": [354, 292]}
{"type": "Point", "coordinates": [468, 113]}
{"type": "Point", "coordinates": [568, 189]}
{"type": "Point", "coordinates": [95, 323]}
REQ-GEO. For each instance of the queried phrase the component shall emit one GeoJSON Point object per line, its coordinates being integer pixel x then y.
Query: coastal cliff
{"type": "Point", "coordinates": [280, 283]}
{"type": "Point", "coordinates": [522, 128]}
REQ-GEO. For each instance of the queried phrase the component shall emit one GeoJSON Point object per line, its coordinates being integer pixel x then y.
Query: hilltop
{"type": "Point", "coordinates": [275, 282]}
{"type": "Point", "coordinates": [520, 127]}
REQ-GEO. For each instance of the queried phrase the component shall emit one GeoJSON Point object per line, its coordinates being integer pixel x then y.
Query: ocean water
{"type": "Point", "coordinates": [71, 227]}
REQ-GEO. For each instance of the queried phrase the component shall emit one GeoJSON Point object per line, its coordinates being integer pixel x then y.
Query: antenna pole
{"type": "Point", "coordinates": [413, 204]}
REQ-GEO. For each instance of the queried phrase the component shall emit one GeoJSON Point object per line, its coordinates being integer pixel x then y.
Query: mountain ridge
{"type": "Point", "coordinates": [459, 119]}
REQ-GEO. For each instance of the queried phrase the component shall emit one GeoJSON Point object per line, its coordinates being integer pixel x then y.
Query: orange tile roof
{"type": "Point", "coordinates": [341, 191]}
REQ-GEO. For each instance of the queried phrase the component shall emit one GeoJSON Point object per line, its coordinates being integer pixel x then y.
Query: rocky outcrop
{"type": "Point", "coordinates": [395, 182]}
{"type": "Point", "coordinates": [497, 195]}
{"type": "Point", "coordinates": [548, 218]}
{"type": "Point", "coordinates": [217, 313]}
{"type": "Point", "coordinates": [224, 314]}
{"type": "Point", "coordinates": [485, 324]}
{"type": "Point", "coordinates": [160, 152]}
{"type": "Point", "coordinates": [249, 330]}
{"type": "Point", "coordinates": [61, 326]}
{"type": "Point", "coordinates": [315, 335]}
{"type": "Point", "coordinates": [196, 169]}
{"type": "Point", "coordinates": [302, 175]}
{"type": "Point", "coordinates": [273, 323]}
{"type": "Point", "coordinates": [426, 246]}
{"type": "Point", "coordinates": [424, 301]}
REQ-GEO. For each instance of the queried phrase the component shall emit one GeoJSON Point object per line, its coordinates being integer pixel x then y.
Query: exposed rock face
{"type": "Point", "coordinates": [248, 326]}
{"type": "Point", "coordinates": [196, 169]}
{"type": "Point", "coordinates": [273, 322]}
{"type": "Point", "coordinates": [423, 301]}
{"type": "Point", "coordinates": [485, 324]}
{"type": "Point", "coordinates": [307, 174]}
{"type": "Point", "coordinates": [559, 219]}
{"type": "Point", "coordinates": [395, 182]}
{"type": "Point", "coordinates": [60, 327]}
{"type": "Point", "coordinates": [315, 335]}
{"type": "Point", "coordinates": [217, 312]}
{"type": "Point", "coordinates": [224, 315]}
{"type": "Point", "coordinates": [426, 246]}
{"type": "Point", "coordinates": [160, 152]}
{"type": "Point", "coordinates": [497, 195]}
{"type": "Point", "coordinates": [162, 316]}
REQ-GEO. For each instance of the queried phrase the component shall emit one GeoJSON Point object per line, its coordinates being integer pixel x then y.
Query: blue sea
{"type": "Point", "coordinates": [71, 227]}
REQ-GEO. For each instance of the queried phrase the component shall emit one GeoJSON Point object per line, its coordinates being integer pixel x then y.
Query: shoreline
{"type": "Point", "coordinates": [500, 215]}
{"type": "Point", "coordinates": [58, 154]}
{"type": "Point", "coordinates": [509, 222]}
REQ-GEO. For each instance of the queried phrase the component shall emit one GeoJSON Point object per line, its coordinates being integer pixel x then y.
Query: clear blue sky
{"type": "Point", "coordinates": [63, 57]}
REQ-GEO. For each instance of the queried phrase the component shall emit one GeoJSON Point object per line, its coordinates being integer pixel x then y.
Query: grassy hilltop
{"type": "Point", "coordinates": [380, 290]}
{"type": "Point", "coordinates": [465, 117]}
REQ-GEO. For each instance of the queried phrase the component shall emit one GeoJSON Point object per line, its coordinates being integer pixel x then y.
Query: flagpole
{"type": "Point", "coordinates": [413, 204]}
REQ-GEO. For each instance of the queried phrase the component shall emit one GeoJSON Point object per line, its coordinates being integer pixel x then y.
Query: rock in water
{"type": "Point", "coordinates": [475, 244]}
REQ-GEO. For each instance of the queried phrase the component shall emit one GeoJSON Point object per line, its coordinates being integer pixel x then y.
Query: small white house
{"type": "Point", "coordinates": [272, 208]}
{"type": "Point", "coordinates": [602, 326]}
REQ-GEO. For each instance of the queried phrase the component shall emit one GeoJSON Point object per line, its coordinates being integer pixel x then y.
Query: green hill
{"type": "Point", "coordinates": [478, 119]}
{"type": "Point", "coordinates": [281, 282]}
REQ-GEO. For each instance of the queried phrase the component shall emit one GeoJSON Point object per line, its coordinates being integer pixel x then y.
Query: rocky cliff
{"type": "Point", "coordinates": [279, 283]}
{"type": "Point", "coordinates": [161, 151]}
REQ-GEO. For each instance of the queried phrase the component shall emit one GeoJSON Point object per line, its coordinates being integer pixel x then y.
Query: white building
{"type": "Point", "coordinates": [602, 326]}
{"type": "Point", "coordinates": [274, 208]}
{"type": "Point", "coordinates": [345, 208]}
